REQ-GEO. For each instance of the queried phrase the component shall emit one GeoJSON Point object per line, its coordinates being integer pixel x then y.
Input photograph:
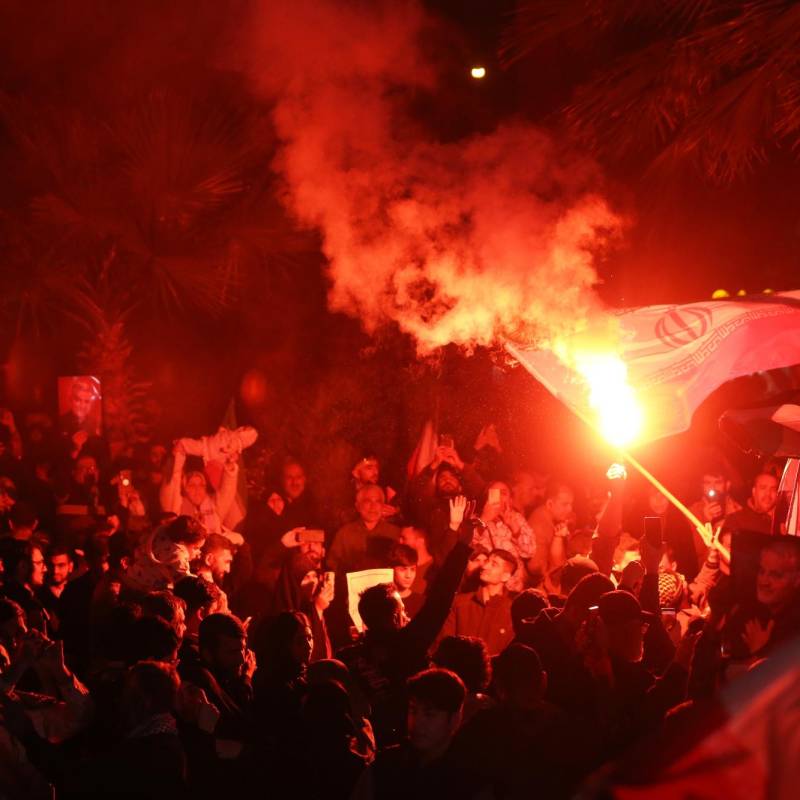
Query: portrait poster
{"type": "Point", "coordinates": [80, 405]}
{"type": "Point", "coordinates": [748, 559]}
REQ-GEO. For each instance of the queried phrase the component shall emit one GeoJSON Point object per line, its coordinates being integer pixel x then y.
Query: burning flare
{"type": "Point", "coordinates": [620, 418]}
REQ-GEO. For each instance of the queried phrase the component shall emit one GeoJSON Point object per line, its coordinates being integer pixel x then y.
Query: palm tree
{"type": "Point", "coordinates": [711, 81]}
{"type": "Point", "coordinates": [164, 209]}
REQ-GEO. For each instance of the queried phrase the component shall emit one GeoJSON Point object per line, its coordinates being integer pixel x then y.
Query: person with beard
{"type": "Point", "coordinates": [215, 559]}
{"type": "Point", "coordinates": [367, 472]}
{"type": "Point", "coordinates": [754, 629]}
{"type": "Point", "coordinates": [430, 492]}
{"type": "Point", "coordinates": [60, 569]}
{"type": "Point", "coordinates": [222, 679]}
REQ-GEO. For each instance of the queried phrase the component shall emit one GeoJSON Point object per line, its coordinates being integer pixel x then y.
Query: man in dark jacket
{"type": "Point", "coordinates": [392, 649]}
{"type": "Point", "coordinates": [486, 613]}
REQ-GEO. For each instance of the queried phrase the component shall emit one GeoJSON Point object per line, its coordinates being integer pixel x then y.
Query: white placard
{"type": "Point", "coordinates": [357, 582]}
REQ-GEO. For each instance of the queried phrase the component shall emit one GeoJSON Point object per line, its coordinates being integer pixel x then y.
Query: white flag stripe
{"type": "Point", "coordinates": [678, 355]}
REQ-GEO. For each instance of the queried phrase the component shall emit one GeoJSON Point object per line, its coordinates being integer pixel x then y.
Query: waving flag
{"type": "Point", "coordinates": [676, 356]}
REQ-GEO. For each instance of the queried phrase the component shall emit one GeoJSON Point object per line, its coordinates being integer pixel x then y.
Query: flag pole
{"type": "Point", "coordinates": [709, 539]}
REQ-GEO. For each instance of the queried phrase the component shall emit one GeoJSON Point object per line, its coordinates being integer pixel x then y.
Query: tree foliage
{"type": "Point", "coordinates": [716, 82]}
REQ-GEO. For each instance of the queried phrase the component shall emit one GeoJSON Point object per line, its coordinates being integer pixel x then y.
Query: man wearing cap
{"type": "Point", "coordinates": [632, 700]}
{"type": "Point", "coordinates": [367, 472]}
{"type": "Point", "coordinates": [486, 613]}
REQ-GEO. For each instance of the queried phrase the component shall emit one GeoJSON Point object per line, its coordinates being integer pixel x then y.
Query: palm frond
{"type": "Point", "coordinates": [713, 81]}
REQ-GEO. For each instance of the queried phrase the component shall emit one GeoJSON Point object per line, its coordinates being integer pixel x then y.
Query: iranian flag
{"type": "Point", "coordinates": [677, 355]}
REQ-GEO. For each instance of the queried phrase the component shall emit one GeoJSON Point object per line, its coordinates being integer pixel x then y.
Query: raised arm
{"type": "Point", "coordinates": [171, 489]}
{"type": "Point", "coordinates": [226, 495]}
{"type": "Point", "coordinates": [428, 622]}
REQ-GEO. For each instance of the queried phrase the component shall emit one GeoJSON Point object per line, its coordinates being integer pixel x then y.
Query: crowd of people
{"type": "Point", "coordinates": [159, 640]}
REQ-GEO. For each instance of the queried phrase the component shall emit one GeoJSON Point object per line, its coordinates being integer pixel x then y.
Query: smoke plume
{"type": "Point", "coordinates": [463, 242]}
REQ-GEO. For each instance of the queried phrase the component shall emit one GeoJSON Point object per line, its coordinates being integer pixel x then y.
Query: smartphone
{"type": "Point", "coordinates": [494, 497]}
{"type": "Point", "coordinates": [653, 531]}
{"type": "Point", "coordinates": [446, 440]}
{"type": "Point", "coordinates": [594, 611]}
{"type": "Point", "coordinates": [311, 535]}
{"type": "Point", "coordinates": [125, 478]}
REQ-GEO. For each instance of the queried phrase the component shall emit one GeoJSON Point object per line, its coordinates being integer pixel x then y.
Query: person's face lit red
{"type": "Point", "coordinates": [219, 562]}
{"type": "Point", "coordinates": [476, 563]}
{"type": "Point", "coordinates": [447, 484]}
{"type": "Point", "coordinates": [82, 400]}
{"type": "Point", "coordinates": [60, 569]}
{"type": "Point", "coordinates": [229, 656]}
{"type": "Point", "coordinates": [495, 571]}
{"type": "Point", "coordinates": [429, 729]}
{"type": "Point", "coordinates": [765, 493]}
{"type": "Point", "coordinates": [196, 491]}
{"type": "Point", "coordinates": [778, 579]}
{"type": "Point", "coordinates": [404, 577]}
{"type": "Point", "coordinates": [38, 567]}
{"type": "Point", "coordinates": [561, 506]}
{"type": "Point", "coordinates": [294, 481]}
{"type": "Point", "coordinates": [370, 505]}
{"type": "Point", "coordinates": [368, 471]}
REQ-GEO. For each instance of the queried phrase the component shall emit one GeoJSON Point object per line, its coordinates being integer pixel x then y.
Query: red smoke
{"type": "Point", "coordinates": [462, 242]}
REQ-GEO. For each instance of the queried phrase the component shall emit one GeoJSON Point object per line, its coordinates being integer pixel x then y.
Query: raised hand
{"type": "Point", "coordinates": [458, 510]}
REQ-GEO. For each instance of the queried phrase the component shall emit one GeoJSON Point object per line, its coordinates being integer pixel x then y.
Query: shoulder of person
{"type": "Point", "coordinates": [463, 599]}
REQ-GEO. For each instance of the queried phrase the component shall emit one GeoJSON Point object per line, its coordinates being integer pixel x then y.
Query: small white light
{"type": "Point", "coordinates": [478, 72]}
